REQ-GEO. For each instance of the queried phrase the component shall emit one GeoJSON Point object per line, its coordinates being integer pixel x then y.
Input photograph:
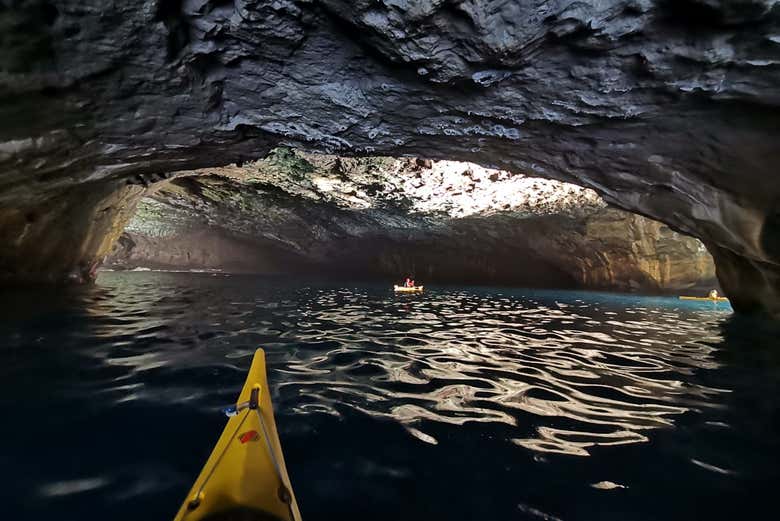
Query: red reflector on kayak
{"type": "Point", "coordinates": [248, 436]}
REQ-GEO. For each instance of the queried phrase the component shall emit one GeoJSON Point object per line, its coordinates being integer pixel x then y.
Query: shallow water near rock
{"type": "Point", "coordinates": [460, 404]}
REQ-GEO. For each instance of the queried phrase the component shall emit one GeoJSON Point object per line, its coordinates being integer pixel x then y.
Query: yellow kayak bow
{"type": "Point", "coordinates": [245, 477]}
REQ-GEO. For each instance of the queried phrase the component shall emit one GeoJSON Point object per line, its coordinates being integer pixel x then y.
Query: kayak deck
{"type": "Point", "coordinates": [404, 289]}
{"type": "Point", "coordinates": [706, 299]}
{"type": "Point", "coordinates": [245, 476]}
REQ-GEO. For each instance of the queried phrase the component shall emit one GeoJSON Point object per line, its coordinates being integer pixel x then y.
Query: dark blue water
{"type": "Point", "coordinates": [459, 404]}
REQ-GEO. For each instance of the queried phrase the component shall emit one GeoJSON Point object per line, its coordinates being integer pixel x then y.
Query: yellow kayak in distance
{"type": "Point", "coordinates": [245, 477]}
{"type": "Point", "coordinates": [404, 289]}
{"type": "Point", "coordinates": [706, 299]}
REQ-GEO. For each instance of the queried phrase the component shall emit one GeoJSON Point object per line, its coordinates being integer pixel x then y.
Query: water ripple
{"type": "Point", "coordinates": [544, 374]}
{"type": "Point", "coordinates": [457, 357]}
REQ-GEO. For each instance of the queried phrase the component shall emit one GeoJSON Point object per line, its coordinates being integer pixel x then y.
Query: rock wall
{"type": "Point", "coordinates": [57, 241]}
{"type": "Point", "coordinates": [615, 250]}
{"type": "Point", "coordinates": [666, 108]}
{"type": "Point", "coordinates": [381, 217]}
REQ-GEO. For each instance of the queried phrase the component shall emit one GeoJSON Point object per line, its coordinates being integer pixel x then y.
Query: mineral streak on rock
{"type": "Point", "coordinates": [665, 108]}
{"type": "Point", "coordinates": [440, 220]}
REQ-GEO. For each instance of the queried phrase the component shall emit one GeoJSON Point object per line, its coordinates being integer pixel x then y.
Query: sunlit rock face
{"type": "Point", "coordinates": [665, 108]}
{"type": "Point", "coordinates": [65, 238]}
{"type": "Point", "coordinates": [440, 221]}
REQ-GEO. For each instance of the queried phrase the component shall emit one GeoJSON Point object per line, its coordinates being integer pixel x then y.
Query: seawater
{"type": "Point", "coordinates": [463, 403]}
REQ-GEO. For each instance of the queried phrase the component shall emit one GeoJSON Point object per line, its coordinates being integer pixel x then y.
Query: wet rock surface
{"type": "Point", "coordinates": [441, 221]}
{"type": "Point", "coordinates": [668, 109]}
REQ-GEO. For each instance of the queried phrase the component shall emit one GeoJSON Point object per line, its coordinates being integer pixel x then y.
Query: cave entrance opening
{"type": "Point", "coordinates": [385, 218]}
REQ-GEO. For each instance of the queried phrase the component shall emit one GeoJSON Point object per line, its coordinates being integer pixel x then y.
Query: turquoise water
{"type": "Point", "coordinates": [459, 404]}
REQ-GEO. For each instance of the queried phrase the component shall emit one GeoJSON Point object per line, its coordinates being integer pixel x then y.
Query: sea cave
{"type": "Point", "coordinates": [586, 189]}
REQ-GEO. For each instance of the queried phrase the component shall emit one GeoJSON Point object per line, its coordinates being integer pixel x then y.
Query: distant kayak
{"type": "Point", "coordinates": [245, 476]}
{"type": "Point", "coordinates": [706, 299]}
{"type": "Point", "coordinates": [404, 289]}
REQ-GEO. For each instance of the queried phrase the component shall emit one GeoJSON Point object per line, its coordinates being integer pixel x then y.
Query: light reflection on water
{"type": "Point", "coordinates": [457, 357]}
{"type": "Point", "coordinates": [539, 374]}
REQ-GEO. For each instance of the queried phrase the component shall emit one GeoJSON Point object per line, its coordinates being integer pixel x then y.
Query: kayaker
{"type": "Point", "coordinates": [714, 294]}
{"type": "Point", "coordinates": [408, 282]}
